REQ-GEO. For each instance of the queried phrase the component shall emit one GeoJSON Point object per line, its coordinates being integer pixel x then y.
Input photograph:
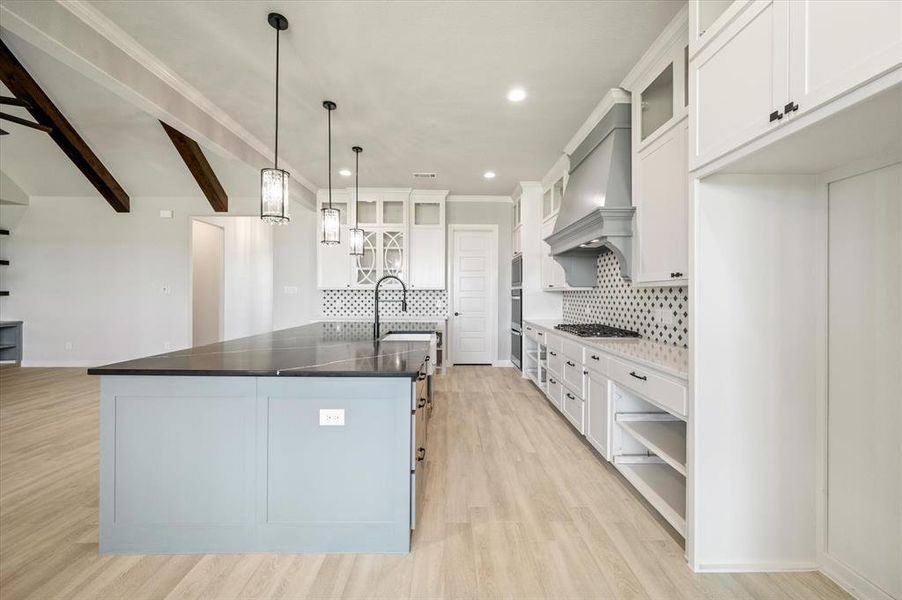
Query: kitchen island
{"type": "Point", "coordinates": [299, 440]}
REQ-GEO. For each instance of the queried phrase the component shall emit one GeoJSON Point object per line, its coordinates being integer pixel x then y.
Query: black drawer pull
{"type": "Point", "coordinates": [571, 396]}
{"type": "Point", "coordinates": [585, 372]}
{"type": "Point", "coordinates": [421, 454]}
{"type": "Point", "coordinates": [595, 357]}
{"type": "Point", "coordinates": [775, 116]}
{"type": "Point", "coordinates": [642, 377]}
{"type": "Point", "coordinates": [791, 107]}
{"type": "Point", "coordinates": [552, 353]}
{"type": "Point", "coordinates": [421, 403]}
{"type": "Point", "coordinates": [676, 275]}
{"type": "Point", "coordinates": [571, 364]}
{"type": "Point", "coordinates": [550, 380]}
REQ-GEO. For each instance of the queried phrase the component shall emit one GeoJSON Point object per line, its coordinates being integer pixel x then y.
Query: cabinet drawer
{"type": "Point", "coordinates": [596, 361]}
{"type": "Point", "coordinates": [573, 408]}
{"type": "Point", "coordinates": [554, 342]}
{"type": "Point", "coordinates": [572, 374]}
{"type": "Point", "coordinates": [553, 392]}
{"type": "Point", "coordinates": [573, 350]}
{"type": "Point", "coordinates": [531, 333]}
{"type": "Point", "coordinates": [667, 394]}
{"type": "Point", "coordinates": [555, 362]}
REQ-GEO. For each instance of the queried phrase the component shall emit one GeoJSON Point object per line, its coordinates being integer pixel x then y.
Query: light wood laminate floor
{"type": "Point", "coordinates": [516, 507]}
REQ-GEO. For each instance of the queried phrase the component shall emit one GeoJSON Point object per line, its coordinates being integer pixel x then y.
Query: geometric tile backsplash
{"type": "Point", "coordinates": [619, 303]}
{"type": "Point", "coordinates": [359, 303]}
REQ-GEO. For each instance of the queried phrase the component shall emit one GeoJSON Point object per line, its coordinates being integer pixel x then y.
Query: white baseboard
{"type": "Point", "coordinates": [502, 363]}
{"type": "Point", "coordinates": [849, 580]}
{"type": "Point", "coordinates": [755, 567]}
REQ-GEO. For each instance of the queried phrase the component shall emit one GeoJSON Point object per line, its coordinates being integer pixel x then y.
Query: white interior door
{"type": "Point", "coordinates": [474, 321]}
{"type": "Point", "coordinates": [864, 454]}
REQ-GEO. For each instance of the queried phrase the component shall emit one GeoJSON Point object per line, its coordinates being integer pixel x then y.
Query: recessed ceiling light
{"type": "Point", "coordinates": [345, 173]}
{"type": "Point", "coordinates": [489, 174]}
{"type": "Point", "coordinates": [516, 95]}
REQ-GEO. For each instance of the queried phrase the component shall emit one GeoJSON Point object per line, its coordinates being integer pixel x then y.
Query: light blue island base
{"type": "Point", "coordinates": [197, 464]}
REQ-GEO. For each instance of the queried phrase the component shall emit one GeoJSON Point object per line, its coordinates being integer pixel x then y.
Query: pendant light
{"type": "Point", "coordinates": [355, 236]}
{"type": "Point", "coordinates": [274, 182]}
{"type": "Point", "coordinates": [331, 216]}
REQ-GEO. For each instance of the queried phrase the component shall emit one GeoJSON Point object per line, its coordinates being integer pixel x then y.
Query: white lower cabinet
{"type": "Point", "coordinates": [553, 391]}
{"type": "Point", "coordinates": [598, 416]}
{"type": "Point", "coordinates": [573, 408]}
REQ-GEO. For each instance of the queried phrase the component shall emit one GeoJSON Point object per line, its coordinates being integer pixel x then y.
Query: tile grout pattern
{"type": "Point", "coordinates": [359, 303]}
{"type": "Point", "coordinates": [619, 303]}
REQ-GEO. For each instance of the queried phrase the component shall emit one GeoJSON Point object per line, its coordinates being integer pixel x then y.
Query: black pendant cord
{"type": "Point", "coordinates": [356, 187]}
{"type": "Point", "coordinates": [276, 161]}
{"type": "Point", "coordinates": [330, 157]}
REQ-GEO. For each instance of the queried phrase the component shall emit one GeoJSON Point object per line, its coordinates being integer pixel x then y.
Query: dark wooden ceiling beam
{"type": "Point", "coordinates": [25, 122]}
{"type": "Point", "coordinates": [26, 89]}
{"type": "Point", "coordinates": [200, 168]}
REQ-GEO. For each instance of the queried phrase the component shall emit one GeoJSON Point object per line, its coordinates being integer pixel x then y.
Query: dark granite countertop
{"type": "Point", "coordinates": [322, 349]}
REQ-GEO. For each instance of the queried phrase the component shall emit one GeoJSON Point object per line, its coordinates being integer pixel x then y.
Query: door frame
{"type": "Point", "coordinates": [493, 296]}
{"type": "Point", "coordinates": [201, 219]}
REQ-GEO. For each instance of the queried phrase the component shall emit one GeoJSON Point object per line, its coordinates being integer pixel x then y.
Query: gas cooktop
{"type": "Point", "coordinates": [595, 330]}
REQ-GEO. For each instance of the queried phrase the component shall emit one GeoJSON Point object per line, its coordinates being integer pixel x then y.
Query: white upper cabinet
{"type": "Point", "coordinates": [837, 45]}
{"type": "Point", "coordinates": [404, 236]}
{"type": "Point", "coordinates": [764, 63]}
{"type": "Point", "coordinates": [660, 164]}
{"type": "Point", "coordinates": [740, 79]}
{"type": "Point", "coordinates": [552, 273]}
{"type": "Point", "coordinates": [662, 187]}
{"type": "Point", "coordinates": [427, 241]}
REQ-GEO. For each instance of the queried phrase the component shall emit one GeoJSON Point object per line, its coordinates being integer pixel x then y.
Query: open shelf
{"type": "Point", "coordinates": [665, 437]}
{"type": "Point", "coordinates": [664, 488]}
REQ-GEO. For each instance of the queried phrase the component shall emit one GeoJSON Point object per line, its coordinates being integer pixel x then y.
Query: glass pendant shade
{"type": "Point", "coordinates": [355, 240]}
{"type": "Point", "coordinates": [274, 196]}
{"type": "Point", "coordinates": [331, 226]}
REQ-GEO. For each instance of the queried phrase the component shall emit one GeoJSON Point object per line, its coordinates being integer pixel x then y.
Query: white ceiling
{"type": "Point", "coordinates": [129, 142]}
{"type": "Point", "coordinates": [420, 85]}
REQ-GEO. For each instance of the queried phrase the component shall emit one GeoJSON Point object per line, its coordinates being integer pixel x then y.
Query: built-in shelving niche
{"type": "Point", "coordinates": [649, 448]}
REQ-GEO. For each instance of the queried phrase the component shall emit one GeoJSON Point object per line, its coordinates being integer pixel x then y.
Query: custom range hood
{"type": "Point", "coordinates": [596, 214]}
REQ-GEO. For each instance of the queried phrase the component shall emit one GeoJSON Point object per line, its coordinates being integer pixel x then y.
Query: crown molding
{"type": "Point", "coordinates": [475, 198]}
{"type": "Point", "coordinates": [676, 31]}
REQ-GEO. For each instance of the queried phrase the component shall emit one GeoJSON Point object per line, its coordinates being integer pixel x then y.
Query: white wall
{"type": "Point", "coordinates": [248, 275]}
{"type": "Point", "coordinates": [84, 275]}
{"type": "Point", "coordinates": [757, 352]}
{"type": "Point", "coordinates": [296, 300]}
{"type": "Point", "coordinates": [494, 213]}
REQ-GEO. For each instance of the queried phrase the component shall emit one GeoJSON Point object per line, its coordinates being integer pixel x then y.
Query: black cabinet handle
{"type": "Point", "coordinates": [585, 372]}
{"type": "Point", "coordinates": [552, 353]}
{"type": "Point", "coordinates": [676, 275]}
{"type": "Point", "coordinates": [421, 403]}
{"type": "Point", "coordinates": [595, 357]}
{"type": "Point", "coordinates": [775, 116]}
{"type": "Point", "coordinates": [571, 396]}
{"type": "Point", "coordinates": [791, 107]}
{"type": "Point", "coordinates": [642, 377]}
{"type": "Point", "coordinates": [457, 314]}
{"type": "Point", "coordinates": [528, 328]}
{"type": "Point", "coordinates": [421, 454]}
{"type": "Point", "coordinates": [550, 380]}
{"type": "Point", "coordinates": [571, 364]}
